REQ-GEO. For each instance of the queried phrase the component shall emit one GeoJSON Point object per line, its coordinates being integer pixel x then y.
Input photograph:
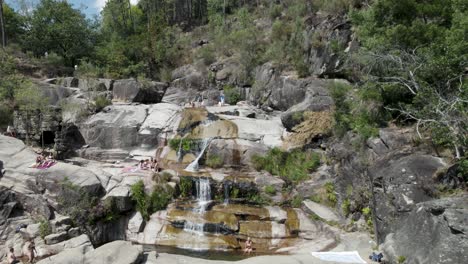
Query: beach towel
{"type": "Point", "coordinates": [130, 169]}
{"type": "Point", "coordinates": [341, 257]}
{"type": "Point", "coordinates": [46, 165]}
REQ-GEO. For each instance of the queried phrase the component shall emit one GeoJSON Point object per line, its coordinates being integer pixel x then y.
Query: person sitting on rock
{"type": "Point", "coordinates": [49, 161]}
{"type": "Point", "coordinates": [39, 161]}
{"type": "Point", "coordinates": [248, 246]}
{"type": "Point", "coordinates": [11, 257]}
{"type": "Point", "coordinates": [141, 165]}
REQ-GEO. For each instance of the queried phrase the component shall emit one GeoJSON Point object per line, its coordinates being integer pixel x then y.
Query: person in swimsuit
{"type": "Point", "coordinates": [32, 252]}
{"type": "Point", "coordinates": [248, 246]}
{"type": "Point", "coordinates": [11, 257]}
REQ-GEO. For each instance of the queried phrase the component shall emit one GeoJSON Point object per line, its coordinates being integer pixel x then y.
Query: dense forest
{"type": "Point", "coordinates": [410, 67]}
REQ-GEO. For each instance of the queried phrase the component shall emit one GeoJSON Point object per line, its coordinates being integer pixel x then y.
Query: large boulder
{"type": "Point", "coordinates": [117, 252]}
{"type": "Point", "coordinates": [433, 232]}
{"type": "Point", "coordinates": [131, 90]}
{"type": "Point", "coordinates": [115, 128]}
{"type": "Point", "coordinates": [234, 152]}
{"type": "Point", "coordinates": [327, 41]}
{"type": "Point", "coordinates": [401, 181]}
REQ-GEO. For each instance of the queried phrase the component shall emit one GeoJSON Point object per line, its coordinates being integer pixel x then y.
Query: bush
{"type": "Point", "coordinates": [270, 189]}
{"type": "Point", "coordinates": [232, 94]}
{"type": "Point", "coordinates": [214, 161]}
{"type": "Point", "coordinates": [185, 143]}
{"type": "Point", "coordinates": [296, 202]}
{"type": "Point", "coordinates": [44, 228]}
{"type": "Point", "coordinates": [185, 186]}
{"type": "Point", "coordinates": [275, 11]}
{"type": "Point", "coordinates": [100, 102]}
{"type": "Point", "coordinates": [345, 206]}
{"type": "Point", "coordinates": [293, 167]}
{"type": "Point", "coordinates": [401, 259]}
{"type": "Point", "coordinates": [258, 199]}
{"type": "Point", "coordinates": [331, 195]}
{"type": "Point", "coordinates": [207, 54]}
{"type": "Point", "coordinates": [148, 204]}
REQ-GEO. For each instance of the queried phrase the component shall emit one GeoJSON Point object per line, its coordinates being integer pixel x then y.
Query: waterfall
{"type": "Point", "coordinates": [227, 189]}
{"type": "Point", "coordinates": [193, 167]}
{"type": "Point", "coordinates": [203, 194]}
{"type": "Point", "coordinates": [179, 152]}
{"type": "Point", "coordinates": [203, 198]}
{"type": "Point", "coordinates": [194, 228]}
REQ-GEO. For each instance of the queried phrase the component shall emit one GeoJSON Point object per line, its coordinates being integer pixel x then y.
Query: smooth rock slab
{"type": "Point", "coordinates": [117, 252]}
{"type": "Point", "coordinates": [321, 211]}
{"type": "Point", "coordinates": [56, 238]}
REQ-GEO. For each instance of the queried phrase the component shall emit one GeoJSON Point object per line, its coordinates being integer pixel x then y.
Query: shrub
{"type": "Point", "coordinates": [401, 259]}
{"type": "Point", "coordinates": [148, 204]}
{"type": "Point", "coordinates": [258, 199]}
{"type": "Point", "coordinates": [140, 198]}
{"type": "Point", "coordinates": [160, 197]}
{"type": "Point", "coordinates": [275, 11]}
{"type": "Point", "coordinates": [185, 186]}
{"type": "Point", "coordinates": [331, 195]}
{"type": "Point", "coordinates": [44, 228]}
{"type": "Point", "coordinates": [207, 54]}
{"type": "Point", "coordinates": [214, 161]}
{"type": "Point", "coordinates": [296, 202]}
{"type": "Point", "coordinates": [232, 94]}
{"type": "Point", "coordinates": [234, 192]}
{"type": "Point", "coordinates": [345, 206]}
{"type": "Point", "coordinates": [185, 143]}
{"type": "Point", "coordinates": [100, 102]}
{"type": "Point", "coordinates": [270, 189]}
{"type": "Point", "coordinates": [292, 167]}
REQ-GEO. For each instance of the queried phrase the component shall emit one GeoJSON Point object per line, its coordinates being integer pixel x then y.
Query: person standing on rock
{"type": "Point", "coordinates": [32, 252]}
{"type": "Point", "coordinates": [221, 99]}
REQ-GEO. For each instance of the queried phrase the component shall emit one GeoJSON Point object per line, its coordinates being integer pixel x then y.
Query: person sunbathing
{"type": "Point", "coordinates": [39, 161]}
{"type": "Point", "coordinates": [49, 161]}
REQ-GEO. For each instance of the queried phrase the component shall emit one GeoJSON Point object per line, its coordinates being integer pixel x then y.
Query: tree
{"type": "Point", "coordinates": [56, 27]}
{"type": "Point", "coordinates": [2, 22]}
{"type": "Point", "coordinates": [415, 57]}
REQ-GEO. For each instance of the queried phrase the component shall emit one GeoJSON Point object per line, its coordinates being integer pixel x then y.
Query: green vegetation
{"type": "Point", "coordinates": [185, 187]}
{"type": "Point", "coordinates": [44, 228]}
{"type": "Point", "coordinates": [270, 189]}
{"type": "Point", "coordinates": [331, 194]}
{"type": "Point", "coordinates": [148, 204]}
{"type": "Point", "coordinates": [359, 115]}
{"type": "Point", "coordinates": [214, 161]}
{"type": "Point", "coordinates": [100, 102]}
{"type": "Point", "coordinates": [232, 94]}
{"type": "Point", "coordinates": [345, 206]}
{"type": "Point", "coordinates": [293, 167]}
{"type": "Point", "coordinates": [367, 212]}
{"type": "Point", "coordinates": [186, 144]}
{"type": "Point", "coordinates": [413, 61]}
{"type": "Point", "coordinates": [401, 259]}
{"type": "Point", "coordinates": [258, 199]}
{"type": "Point", "coordinates": [296, 202]}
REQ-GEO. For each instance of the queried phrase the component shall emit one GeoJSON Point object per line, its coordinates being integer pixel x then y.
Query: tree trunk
{"type": "Point", "coordinates": [3, 24]}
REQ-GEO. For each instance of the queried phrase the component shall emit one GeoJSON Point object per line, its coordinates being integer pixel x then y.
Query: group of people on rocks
{"type": "Point", "coordinates": [149, 165]}
{"type": "Point", "coordinates": [200, 101]}
{"type": "Point", "coordinates": [31, 253]}
{"type": "Point", "coordinates": [43, 161]}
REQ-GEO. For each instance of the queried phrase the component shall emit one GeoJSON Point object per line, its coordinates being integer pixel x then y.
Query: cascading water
{"type": "Point", "coordinates": [203, 198]}
{"type": "Point", "coordinates": [227, 190]}
{"type": "Point", "coordinates": [179, 151]}
{"type": "Point", "coordinates": [193, 167]}
{"type": "Point", "coordinates": [203, 194]}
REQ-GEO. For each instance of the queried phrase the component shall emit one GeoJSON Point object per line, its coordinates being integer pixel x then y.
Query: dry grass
{"type": "Point", "coordinates": [314, 124]}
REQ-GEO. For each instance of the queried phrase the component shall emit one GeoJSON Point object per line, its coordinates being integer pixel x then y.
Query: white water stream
{"type": "Point", "coordinates": [203, 199]}
{"type": "Point", "coordinates": [193, 167]}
